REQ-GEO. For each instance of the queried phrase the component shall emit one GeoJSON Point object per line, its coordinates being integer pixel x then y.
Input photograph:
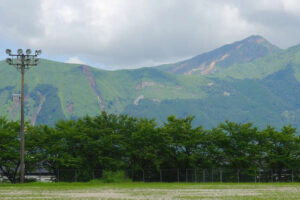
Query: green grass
{"type": "Point", "coordinates": [100, 190]}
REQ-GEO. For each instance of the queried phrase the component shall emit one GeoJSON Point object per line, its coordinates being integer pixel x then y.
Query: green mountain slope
{"type": "Point", "coordinates": [56, 91]}
{"type": "Point", "coordinates": [261, 87]}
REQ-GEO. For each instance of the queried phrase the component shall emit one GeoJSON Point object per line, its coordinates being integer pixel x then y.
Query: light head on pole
{"type": "Point", "coordinates": [8, 51]}
{"type": "Point", "coordinates": [28, 51]}
{"type": "Point", "coordinates": [28, 61]}
{"type": "Point", "coordinates": [38, 52]}
{"type": "Point", "coordinates": [8, 60]}
{"type": "Point", "coordinates": [18, 61]}
{"type": "Point", "coordinates": [36, 61]}
{"type": "Point", "coordinates": [20, 51]}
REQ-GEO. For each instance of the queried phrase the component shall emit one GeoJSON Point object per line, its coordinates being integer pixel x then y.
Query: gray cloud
{"type": "Point", "coordinates": [20, 20]}
{"type": "Point", "coordinates": [132, 33]}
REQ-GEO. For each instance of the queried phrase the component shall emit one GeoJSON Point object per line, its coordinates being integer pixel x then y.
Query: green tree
{"type": "Point", "coordinates": [281, 148]}
{"type": "Point", "coordinates": [145, 146]}
{"type": "Point", "coordinates": [240, 148]}
{"type": "Point", "coordinates": [184, 142]}
{"type": "Point", "coordinates": [9, 148]}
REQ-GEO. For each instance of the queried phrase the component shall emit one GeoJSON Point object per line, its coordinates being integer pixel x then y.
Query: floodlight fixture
{"type": "Point", "coordinates": [28, 61]}
{"type": "Point", "coordinates": [8, 51]}
{"type": "Point", "coordinates": [28, 51]}
{"type": "Point", "coordinates": [36, 61]}
{"type": "Point", "coordinates": [8, 60]}
{"type": "Point", "coordinates": [38, 52]}
{"type": "Point", "coordinates": [18, 61]}
{"type": "Point", "coordinates": [20, 51]}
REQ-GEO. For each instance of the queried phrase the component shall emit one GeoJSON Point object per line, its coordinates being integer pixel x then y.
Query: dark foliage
{"type": "Point", "coordinates": [120, 142]}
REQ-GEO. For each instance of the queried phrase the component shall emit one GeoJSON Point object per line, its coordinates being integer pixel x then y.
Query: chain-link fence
{"type": "Point", "coordinates": [172, 175]}
{"type": "Point", "coordinates": [214, 175]}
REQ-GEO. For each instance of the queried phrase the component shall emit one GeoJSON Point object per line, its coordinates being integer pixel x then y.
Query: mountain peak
{"type": "Point", "coordinates": [255, 37]}
{"type": "Point", "coordinates": [246, 50]}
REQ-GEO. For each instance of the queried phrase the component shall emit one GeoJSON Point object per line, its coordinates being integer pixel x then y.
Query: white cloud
{"type": "Point", "coordinates": [132, 33]}
{"type": "Point", "coordinates": [75, 60]}
{"type": "Point", "coordinates": [292, 6]}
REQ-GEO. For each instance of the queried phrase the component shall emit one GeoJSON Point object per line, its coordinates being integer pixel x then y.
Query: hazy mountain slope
{"type": "Point", "coordinates": [239, 52]}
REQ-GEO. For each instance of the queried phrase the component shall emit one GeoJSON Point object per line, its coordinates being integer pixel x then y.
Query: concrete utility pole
{"type": "Point", "coordinates": [22, 62]}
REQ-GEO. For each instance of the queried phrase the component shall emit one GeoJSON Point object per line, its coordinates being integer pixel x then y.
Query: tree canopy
{"type": "Point", "coordinates": [121, 142]}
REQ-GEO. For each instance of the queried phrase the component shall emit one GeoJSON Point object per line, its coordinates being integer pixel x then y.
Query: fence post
{"type": "Point", "coordinates": [221, 175]}
{"type": "Point", "coordinates": [160, 174]}
{"type": "Point", "coordinates": [58, 175]}
{"type": "Point", "coordinates": [143, 175]}
{"type": "Point", "coordinates": [93, 174]}
{"type": "Point", "coordinates": [186, 175]}
{"type": "Point", "coordinates": [255, 176]}
{"type": "Point", "coordinates": [203, 175]}
{"type": "Point", "coordinates": [212, 175]}
{"type": "Point", "coordinates": [238, 175]}
{"type": "Point", "coordinates": [178, 175]}
{"type": "Point", "coordinates": [75, 175]}
{"type": "Point", "coordinates": [272, 175]}
{"type": "Point", "coordinates": [195, 176]}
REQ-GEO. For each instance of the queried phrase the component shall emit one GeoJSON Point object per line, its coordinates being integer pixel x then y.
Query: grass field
{"type": "Point", "coordinates": [95, 190]}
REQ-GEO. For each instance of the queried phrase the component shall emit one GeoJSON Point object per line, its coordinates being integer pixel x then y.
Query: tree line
{"type": "Point", "coordinates": [120, 142]}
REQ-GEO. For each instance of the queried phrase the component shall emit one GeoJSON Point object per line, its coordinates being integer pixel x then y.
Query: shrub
{"type": "Point", "coordinates": [114, 177]}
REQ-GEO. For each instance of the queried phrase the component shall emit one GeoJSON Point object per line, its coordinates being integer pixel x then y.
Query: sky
{"type": "Point", "coordinates": [118, 34]}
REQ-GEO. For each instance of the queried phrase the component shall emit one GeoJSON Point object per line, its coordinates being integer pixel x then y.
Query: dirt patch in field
{"type": "Point", "coordinates": [143, 193]}
{"type": "Point", "coordinates": [127, 194]}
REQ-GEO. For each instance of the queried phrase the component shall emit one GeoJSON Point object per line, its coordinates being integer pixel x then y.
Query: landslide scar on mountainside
{"type": "Point", "coordinates": [87, 73]}
{"type": "Point", "coordinates": [144, 84]}
{"type": "Point", "coordinates": [38, 108]}
{"type": "Point", "coordinates": [205, 69]}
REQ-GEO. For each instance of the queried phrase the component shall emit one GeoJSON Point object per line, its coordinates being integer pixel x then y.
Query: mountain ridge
{"type": "Point", "coordinates": [245, 91]}
{"type": "Point", "coordinates": [242, 51]}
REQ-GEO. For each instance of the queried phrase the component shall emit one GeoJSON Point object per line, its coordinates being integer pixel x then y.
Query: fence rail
{"type": "Point", "coordinates": [172, 175]}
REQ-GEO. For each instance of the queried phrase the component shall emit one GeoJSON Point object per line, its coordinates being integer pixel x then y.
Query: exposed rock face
{"type": "Point", "coordinates": [205, 69]}
{"type": "Point", "coordinates": [85, 70]}
{"type": "Point", "coordinates": [38, 108]}
{"type": "Point", "coordinates": [142, 85]}
{"type": "Point", "coordinates": [137, 100]}
{"type": "Point", "coordinates": [70, 107]}
{"type": "Point", "coordinates": [155, 100]}
{"type": "Point", "coordinates": [210, 84]}
{"type": "Point", "coordinates": [227, 94]}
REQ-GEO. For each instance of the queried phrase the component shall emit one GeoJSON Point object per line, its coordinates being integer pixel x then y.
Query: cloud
{"type": "Point", "coordinates": [133, 33]}
{"type": "Point", "coordinates": [75, 60]}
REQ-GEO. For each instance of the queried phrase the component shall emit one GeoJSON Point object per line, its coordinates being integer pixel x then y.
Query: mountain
{"type": "Point", "coordinates": [262, 87]}
{"type": "Point", "coordinates": [243, 51]}
{"type": "Point", "coordinates": [56, 90]}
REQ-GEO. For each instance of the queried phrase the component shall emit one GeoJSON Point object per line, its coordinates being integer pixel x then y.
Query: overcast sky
{"type": "Point", "coordinates": [114, 34]}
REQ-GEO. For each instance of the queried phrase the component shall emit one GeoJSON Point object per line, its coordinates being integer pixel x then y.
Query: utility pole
{"type": "Point", "coordinates": [22, 62]}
